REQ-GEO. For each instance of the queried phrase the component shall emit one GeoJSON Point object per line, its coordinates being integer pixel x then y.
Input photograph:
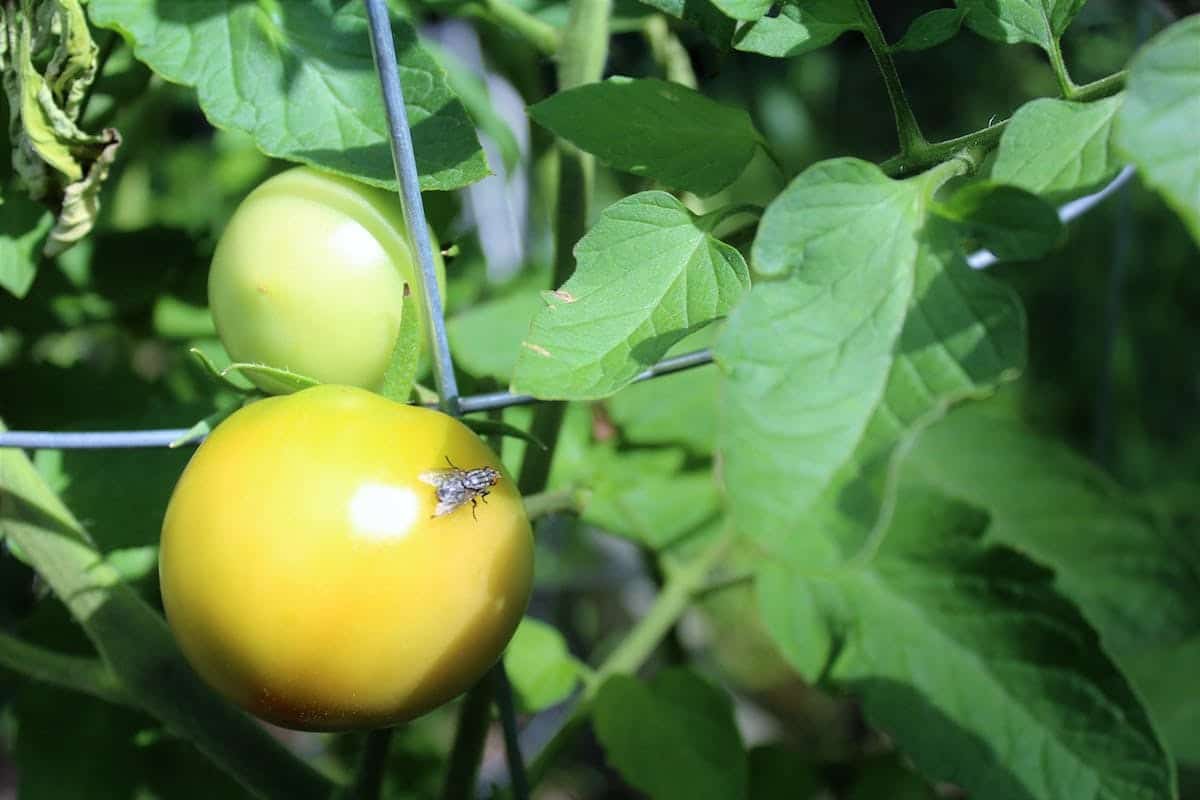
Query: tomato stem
{"type": "Point", "coordinates": [81, 674]}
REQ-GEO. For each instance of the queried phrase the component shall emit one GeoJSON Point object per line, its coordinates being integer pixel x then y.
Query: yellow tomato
{"type": "Point", "coordinates": [306, 577]}
{"type": "Point", "coordinates": [309, 276]}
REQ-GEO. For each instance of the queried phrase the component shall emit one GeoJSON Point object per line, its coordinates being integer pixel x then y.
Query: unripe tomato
{"type": "Point", "coordinates": [307, 578]}
{"type": "Point", "coordinates": [309, 276]}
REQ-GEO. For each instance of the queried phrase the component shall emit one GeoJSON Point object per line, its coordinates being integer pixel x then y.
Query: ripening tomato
{"type": "Point", "coordinates": [306, 576]}
{"type": "Point", "coordinates": [309, 276]}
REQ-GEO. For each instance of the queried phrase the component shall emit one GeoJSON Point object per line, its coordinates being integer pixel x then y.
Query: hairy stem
{"type": "Point", "coordinates": [1066, 86]}
{"type": "Point", "coordinates": [986, 138]}
{"type": "Point", "coordinates": [907, 129]}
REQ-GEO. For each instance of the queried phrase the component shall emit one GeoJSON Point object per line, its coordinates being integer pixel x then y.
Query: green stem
{"type": "Point", "coordinates": [505, 706]}
{"type": "Point", "coordinates": [669, 53]}
{"type": "Point", "coordinates": [87, 675]}
{"type": "Point", "coordinates": [542, 35]}
{"type": "Point", "coordinates": [907, 129]}
{"type": "Point", "coordinates": [368, 778]}
{"type": "Point", "coordinates": [986, 138]}
{"type": "Point", "coordinates": [1066, 86]}
{"type": "Point", "coordinates": [636, 648]}
{"type": "Point", "coordinates": [473, 719]}
{"type": "Point", "coordinates": [544, 503]}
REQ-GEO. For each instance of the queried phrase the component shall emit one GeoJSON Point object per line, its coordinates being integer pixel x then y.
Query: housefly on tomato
{"type": "Point", "coordinates": [457, 486]}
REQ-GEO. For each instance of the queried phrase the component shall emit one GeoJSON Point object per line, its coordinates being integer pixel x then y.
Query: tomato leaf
{"type": "Point", "coordinates": [542, 671]}
{"type": "Point", "coordinates": [292, 381]}
{"type": "Point", "coordinates": [299, 78]}
{"type": "Point", "coordinates": [802, 26]}
{"type": "Point", "coordinates": [1013, 223]}
{"type": "Point", "coordinates": [647, 275]}
{"type": "Point", "coordinates": [1038, 22]}
{"type": "Point", "coordinates": [23, 228]}
{"type": "Point", "coordinates": [785, 412]}
{"type": "Point", "coordinates": [953, 646]}
{"type": "Point", "coordinates": [673, 737]}
{"type": "Point", "coordinates": [1132, 576]}
{"type": "Point", "coordinates": [401, 373]}
{"type": "Point", "coordinates": [1156, 128]}
{"type": "Point", "coordinates": [930, 29]}
{"type": "Point", "coordinates": [804, 366]}
{"type": "Point", "coordinates": [1057, 148]}
{"type": "Point", "coordinates": [655, 129]}
{"type": "Point", "coordinates": [221, 376]}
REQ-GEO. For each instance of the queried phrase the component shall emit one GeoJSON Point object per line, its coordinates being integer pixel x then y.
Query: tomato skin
{"type": "Point", "coordinates": [304, 575]}
{"type": "Point", "coordinates": [309, 276]}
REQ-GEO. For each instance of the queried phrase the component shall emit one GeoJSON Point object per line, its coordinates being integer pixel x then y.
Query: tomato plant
{"type": "Point", "coordinates": [309, 276]}
{"type": "Point", "coordinates": [838, 352]}
{"type": "Point", "coordinates": [307, 577]}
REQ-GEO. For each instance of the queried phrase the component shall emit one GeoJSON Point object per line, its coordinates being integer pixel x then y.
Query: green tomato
{"type": "Point", "coordinates": [309, 277]}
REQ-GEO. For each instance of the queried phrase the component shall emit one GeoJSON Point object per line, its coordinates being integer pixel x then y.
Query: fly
{"type": "Point", "coordinates": [456, 486]}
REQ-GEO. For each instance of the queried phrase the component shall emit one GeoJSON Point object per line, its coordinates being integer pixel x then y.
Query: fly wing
{"type": "Point", "coordinates": [436, 477]}
{"type": "Point", "coordinates": [445, 507]}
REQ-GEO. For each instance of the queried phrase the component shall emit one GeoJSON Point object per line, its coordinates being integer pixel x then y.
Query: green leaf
{"type": "Point", "coordinates": [543, 672]}
{"type": "Point", "coordinates": [1038, 22]}
{"type": "Point", "coordinates": [805, 360]}
{"type": "Point", "coordinates": [1156, 128]}
{"type": "Point", "coordinates": [930, 29]}
{"type": "Point", "coordinates": [1166, 678]}
{"type": "Point", "coordinates": [401, 373]}
{"type": "Point", "coordinates": [175, 318]}
{"type": "Point", "coordinates": [748, 10]}
{"type": "Point", "coordinates": [963, 334]}
{"type": "Point", "coordinates": [967, 657]}
{"type": "Point", "coordinates": [1134, 579]}
{"type": "Point", "coordinates": [486, 338]}
{"type": "Point", "coordinates": [647, 275]}
{"type": "Point", "coordinates": [135, 641]}
{"type": "Point", "coordinates": [1013, 223]}
{"type": "Point", "coordinates": [299, 78]}
{"type": "Point", "coordinates": [655, 129]}
{"type": "Point", "coordinates": [802, 26]}
{"type": "Point", "coordinates": [283, 381]}
{"type": "Point", "coordinates": [220, 376]}
{"type": "Point", "coordinates": [23, 228]}
{"type": "Point", "coordinates": [646, 497]}
{"type": "Point", "coordinates": [673, 738]}
{"type": "Point", "coordinates": [1057, 148]}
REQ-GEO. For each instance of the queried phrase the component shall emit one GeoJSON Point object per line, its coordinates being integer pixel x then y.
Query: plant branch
{"type": "Point", "coordinates": [368, 777]}
{"type": "Point", "coordinates": [80, 674]}
{"type": "Point", "coordinates": [473, 720]}
{"type": "Point", "coordinates": [542, 35]}
{"type": "Point", "coordinates": [907, 129]}
{"type": "Point", "coordinates": [669, 53]}
{"type": "Point", "coordinates": [1066, 86]}
{"type": "Point", "coordinates": [637, 647]}
{"type": "Point", "coordinates": [986, 138]}
{"type": "Point", "coordinates": [518, 778]}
